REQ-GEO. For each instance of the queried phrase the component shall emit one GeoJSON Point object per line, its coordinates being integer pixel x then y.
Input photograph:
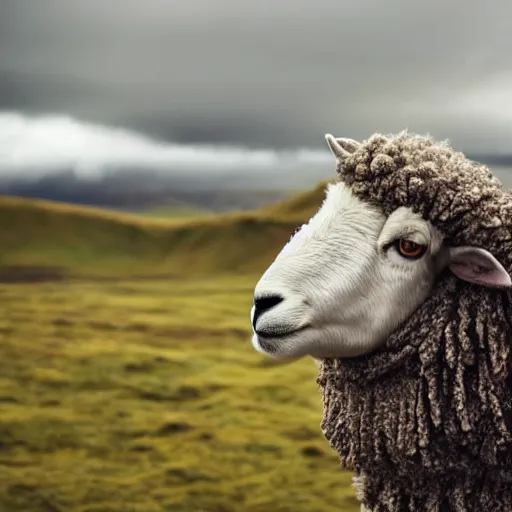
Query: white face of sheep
{"type": "Point", "coordinates": [352, 275]}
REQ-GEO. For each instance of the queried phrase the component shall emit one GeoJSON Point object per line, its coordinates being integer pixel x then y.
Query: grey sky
{"type": "Point", "coordinates": [265, 74]}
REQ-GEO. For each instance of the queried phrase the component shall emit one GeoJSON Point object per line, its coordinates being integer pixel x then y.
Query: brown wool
{"type": "Point", "coordinates": [425, 422]}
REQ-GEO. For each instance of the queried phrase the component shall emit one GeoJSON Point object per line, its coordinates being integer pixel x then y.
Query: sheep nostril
{"type": "Point", "coordinates": [263, 304]}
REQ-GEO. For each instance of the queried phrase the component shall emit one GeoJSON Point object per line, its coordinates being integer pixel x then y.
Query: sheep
{"type": "Point", "coordinates": [400, 287]}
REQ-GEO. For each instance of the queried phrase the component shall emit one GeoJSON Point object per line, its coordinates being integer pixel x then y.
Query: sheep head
{"type": "Point", "coordinates": [373, 253]}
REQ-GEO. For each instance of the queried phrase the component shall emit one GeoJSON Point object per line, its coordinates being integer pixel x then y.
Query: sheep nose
{"type": "Point", "coordinates": [263, 304]}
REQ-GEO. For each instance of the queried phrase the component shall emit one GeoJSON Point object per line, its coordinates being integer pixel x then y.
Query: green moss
{"type": "Point", "coordinates": [147, 396]}
{"type": "Point", "coordinates": [141, 395]}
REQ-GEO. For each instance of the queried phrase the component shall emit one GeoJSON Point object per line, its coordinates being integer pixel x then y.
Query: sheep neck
{"type": "Point", "coordinates": [427, 419]}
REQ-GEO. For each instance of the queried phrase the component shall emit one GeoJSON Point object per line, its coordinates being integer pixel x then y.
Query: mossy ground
{"type": "Point", "coordinates": [146, 395]}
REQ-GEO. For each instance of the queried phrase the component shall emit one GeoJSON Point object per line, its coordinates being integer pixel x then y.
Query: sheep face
{"type": "Point", "coordinates": [352, 275]}
{"type": "Point", "coordinates": [345, 280]}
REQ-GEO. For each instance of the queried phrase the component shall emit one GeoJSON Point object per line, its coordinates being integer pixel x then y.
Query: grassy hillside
{"type": "Point", "coordinates": [302, 206]}
{"type": "Point", "coordinates": [92, 241]}
{"type": "Point", "coordinates": [145, 395]}
{"type": "Point", "coordinates": [175, 213]}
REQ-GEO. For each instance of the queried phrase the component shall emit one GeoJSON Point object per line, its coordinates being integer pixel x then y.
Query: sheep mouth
{"type": "Point", "coordinates": [280, 345]}
{"type": "Point", "coordinates": [266, 336]}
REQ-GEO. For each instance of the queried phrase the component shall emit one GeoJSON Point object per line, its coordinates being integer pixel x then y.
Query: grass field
{"type": "Point", "coordinates": [135, 395]}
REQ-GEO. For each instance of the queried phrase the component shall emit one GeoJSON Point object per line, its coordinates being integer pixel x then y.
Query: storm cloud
{"type": "Point", "coordinates": [264, 74]}
{"type": "Point", "coordinates": [34, 147]}
{"type": "Point", "coordinates": [65, 159]}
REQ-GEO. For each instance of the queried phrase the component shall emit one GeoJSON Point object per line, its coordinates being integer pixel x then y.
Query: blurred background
{"type": "Point", "coordinates": [154, 157]}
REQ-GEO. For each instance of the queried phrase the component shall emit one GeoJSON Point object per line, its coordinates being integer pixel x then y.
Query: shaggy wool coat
{"type": "Point", "coordinates": [426, 421]}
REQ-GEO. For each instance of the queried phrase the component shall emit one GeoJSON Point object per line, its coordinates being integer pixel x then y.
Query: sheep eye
{"type": "Point", "coordinates": [409, 249]}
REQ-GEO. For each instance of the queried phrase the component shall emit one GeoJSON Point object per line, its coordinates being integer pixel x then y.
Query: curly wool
{"type": "Point", "coordinates": [426, 421]}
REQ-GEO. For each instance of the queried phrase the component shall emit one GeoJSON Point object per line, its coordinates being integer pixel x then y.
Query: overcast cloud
{"type": "Point", "coordinates": [267, 75]}
{"type": "Point", "coordinates": [31, 147]}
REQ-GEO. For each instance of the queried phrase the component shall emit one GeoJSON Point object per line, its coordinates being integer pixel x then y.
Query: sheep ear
{"type": "Point", "coordinates": [341, 148]}
{"type": "Point", "coordinates": [347, 144]}
{"type": "Point", "coordinates": [478, 266]}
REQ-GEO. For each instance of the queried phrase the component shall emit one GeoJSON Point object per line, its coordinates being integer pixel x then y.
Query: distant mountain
{"type": "Point", "coordinates": [140, 191]}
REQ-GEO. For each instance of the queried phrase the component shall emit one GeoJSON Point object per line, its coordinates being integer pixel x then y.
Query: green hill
{"type": "Point", "coordinates": [145, 395]}
{"type": "Point", "coordinates": [78, 240]}
{"type": "Point", "coordinates": [175, 213]}
{"type": "Point", "coordinates": [301, 207]}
